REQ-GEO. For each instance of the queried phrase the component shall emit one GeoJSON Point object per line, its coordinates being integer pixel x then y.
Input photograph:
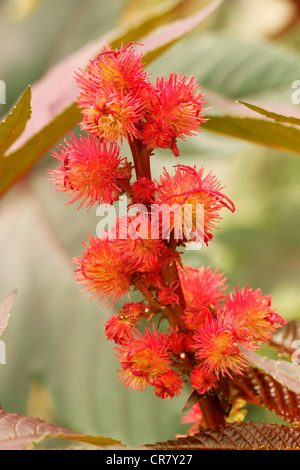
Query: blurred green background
{"type": "Point", "coordinates": [59, 365]}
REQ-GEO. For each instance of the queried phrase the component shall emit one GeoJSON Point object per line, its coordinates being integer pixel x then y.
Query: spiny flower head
{"type": "Point", "coordinates": [253, 314]}
{"type": "Point", "coordinates": [203, 380]}
{"type": "Point", "coordinates": [216, 348]}
{"type": "Point", "coordinates": [196, 201]}
{"type": "Point", "coordinates": [168, 296]}
{"type": "Point", "coordinates": [102, 271]}
{"type": "Point", "coordinates": [136, 382]}
{"type": "Point", "coordinates": [203, 287]}
{"type": "Point", "coordinates": [121, 69]}
{"type": "Point", "coordinates": [147, 355]}
{"type": "Point", "coordinates": [119, 329]}
{"type": "Point", "coordinates": [178, 340]}
{"type": "Point", "coordinates": [112, 94]}
{"type": "Point", "coordinates": [90, 170]}
{"type": "Point", "coordinates": [168, 385]}
{"type": "Point", "coordinates": [134, 311]}
{"type": "Point", "coordinates": [143, 191]}
{"type": "Point", "coordinates": [137, 244]}
{"type": "Point", "coordinates": [193, 317]}
{"type": "Point", "coordinates": [113, 116]}
{"type": "Point", "coordinates": [176, 112]}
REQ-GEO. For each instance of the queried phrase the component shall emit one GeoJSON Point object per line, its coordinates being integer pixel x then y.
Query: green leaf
{"type": "Point", "coordinates": [160, 40]}
{"type": "Point", "coordinates": [19, 162]}
{"type": "Point", "coordinates": [150, 19]}
{"type": "Point", "coordinates": [13, 126]}
{"type": "Point", "coordinates": [269, 114]}
{"type": "Point", "coordinates": [228, 70]}
{"type": "Point", "coordinates": [257, 131]}
{"type": "Point", "coordinates": [235, 69]}
{"type": "Point", "coordinates": [53, 113]}
{"type": "Point", "coordinates": [99, 441]}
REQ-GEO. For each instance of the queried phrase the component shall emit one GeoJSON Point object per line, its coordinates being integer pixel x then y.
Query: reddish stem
{"type": "Point", "coordinates": [125, 185]}
{"type": "Point", "coordinates": [212, 411]}
{"type": "Point", "coordinates": [210, 405]}
{"type": "Point", "coordinates": [141, 158]}
{"type": "Point", "coordinates": [169, 275]}
{"type": "Point", "coordinates": [154, 303]}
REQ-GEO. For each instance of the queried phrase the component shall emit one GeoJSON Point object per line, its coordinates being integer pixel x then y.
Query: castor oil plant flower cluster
{"type": "Point", "coordinates": [194, 326]}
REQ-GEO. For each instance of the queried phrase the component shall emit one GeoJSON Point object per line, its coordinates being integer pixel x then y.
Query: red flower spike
{"type": "Point", "coordinates": [90, 171]}
{"type": "Point", "coordinates": [118, 102]}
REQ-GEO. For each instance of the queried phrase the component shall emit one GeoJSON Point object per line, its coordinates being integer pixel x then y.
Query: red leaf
{"type": "Point", "coordinates": [285, 372]}
{"type": "Point", "coordinates": [238, 436]}
{"type": "Point", "coordinates": [20, 432]}
{"type": "Point", "coordinates": [284, 338]}
{"type": "Point", "coordinates": [262, 389]}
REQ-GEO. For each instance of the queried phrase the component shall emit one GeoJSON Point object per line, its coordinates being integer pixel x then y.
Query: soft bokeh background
{"type": "Point", "coordinates": [59, 365]}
